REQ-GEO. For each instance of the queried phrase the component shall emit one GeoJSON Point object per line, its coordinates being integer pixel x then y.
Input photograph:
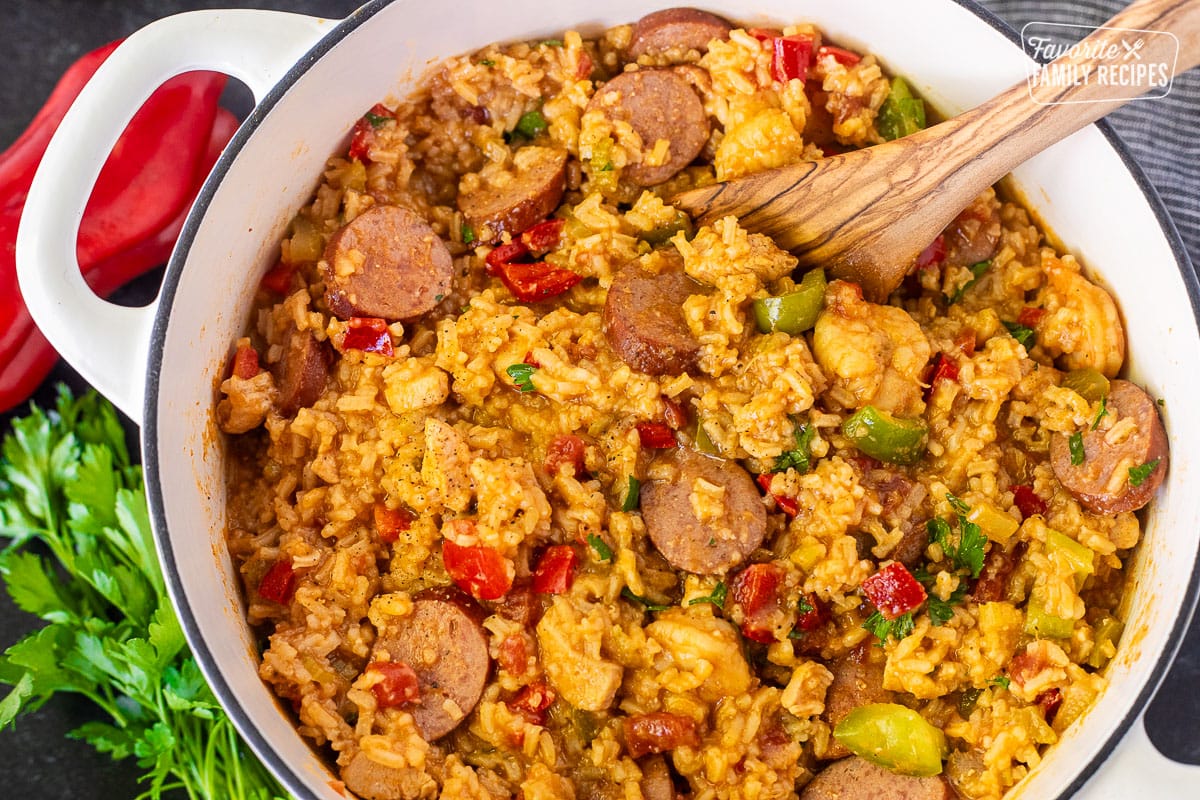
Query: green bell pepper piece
{"type": "Point", "coordinates": [1087, 383]}
{"type": "Point", "coordinates": [901, 113]}
{"type": "Point", "coordinates": [664, 233]}
{"type": "Point", "coordinates": [794, 312]}
{"type": "Point", "coordinates": [893, 736]}
{"type": "Point", "coordinates": [887, 438]}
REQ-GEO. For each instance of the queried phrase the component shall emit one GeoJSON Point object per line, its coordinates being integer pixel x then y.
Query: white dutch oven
{"type": "Point", "coordinates": [313, 78]}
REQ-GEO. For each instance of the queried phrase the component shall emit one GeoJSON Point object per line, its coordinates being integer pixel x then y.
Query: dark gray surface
{"type": "Point", "coordinates": [40, 38]}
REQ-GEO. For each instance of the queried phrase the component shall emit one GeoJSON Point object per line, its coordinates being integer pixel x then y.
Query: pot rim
{"type": "Point", "coordinates": [288, 775]}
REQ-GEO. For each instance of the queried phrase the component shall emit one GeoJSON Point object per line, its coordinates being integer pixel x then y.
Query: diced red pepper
{"type": "Point", "coordinates": [363, 138]}
{"type": "Point", "coordinates": [538, 281]}
{"type": "Point", "coordinates": [787, 505]}
{"type": "Point", "coordinates": [1031, 316]}
{"type": "Point", "coordinates": [505, 254]}
{"type": "Point", "coordinates": [565, 449]}
{"type": "Point", "coordinates": [932, 255]}
{"type": "Point", "coordinates": [369, 334]}
{"type": "Point", "coordinates": [846, 58]}
{"type": "Point", "coordinates": [397, 686]}
{"type": "Point", "coordinates": [658, 732]}
{"type": "Point", "coordinates": [764, 34]}
{"type": "Point", "coordinates": [791, 58]}
{"type": "Point", "coordinates": [656, 435]}
{"type": "Point", "coordinates": [391, 522]}
{"type": "Point", "coordinates": [673, 413]}
{"type": "Point", "coordinates": [555, 571]}
{"type": "Point", "coordinates": [478, 570]}
{"type": "Point", "coordinates": [965, 341]}
{"type": "Point", "coordinates": [943, 367]}
{"type": "Point", "coordinates": [816, 615]}
{"type": "Point", "coordinates": [1049, 701]}
{"type": "Point", "coordinates": [543, 236]}
{"type": "Point", "coordinates": [279, 279]}
{"type": "Point", "coordinates": [894, 590]}
{"type": "Point", "coordinates": [513, 654]}
{"type": "Point", "coordinates": [532, 701]}
{"type": "Point", "coordinates": [1027, 501]}
{"type": "Point", "coordinates": [245, 363]}
{"type": "Point", "coordinates": [584, 69]}
{"type": "Point", "coordinates": [757, 592]}
{"type": "Point", "coordinates": [279, 583]}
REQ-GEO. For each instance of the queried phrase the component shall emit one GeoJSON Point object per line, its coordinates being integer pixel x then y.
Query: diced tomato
{"type": "Point", "coordinates": [505, 254]}
{"type": "Point", "coordinates": [279, 583]}
{"type": "Point", "coordinates": [943, 367]}
{"type": "Point", "coordinates": [397, 685]}
{"type": "Point", "coordinates": [965, 341]}
{"type": "Point", "coordinates": [543, 236]}
{"type": "Point", "coordinates": [555, 572]}
{"type": "Point", "coordinates": [1027, 501]}
{"type": "Point", "coordinates": [391, 522]}
{"type": "Point", "coordinates": [932, 255]}
{"type": "Point", "coordinates": [787, 505]}
{"type": "Point", "coordinates": [815, 615]}
{"type": "Point", "coordinates": [363, 138]}
{"type": "Point", "coordinates": [245, 363]}
{"type": "Point", "coordinates": [584, 69]}
{"type": "Point", "coordinates": [1031, 316]}
{"type": "Point", "coordinates": [791, 57]}
{"type": "Point", "coordinates": [279, 279]}
{"type": "Point", "coordinates": [1049, 701]}
{"type": "Point", "coordinates": [894, 590]}
{"type": "Point", "coordinates": [757, 591]}
{"type": "Point", "coordinates": [565, 449]}
{"type": "Point", "coordinates": [846, 58]}
{"type": "Point", "coordinates": [478, 570]}
{"type": "Point", "coordinates": [513, 654]}
{"type": "Point", "coordinates": [763, 34]}
{"type": "Point", "coordinates": [656, 435]}
{"type": "Point", "coordinates": [532, 701]}
{"type": "Point", "coordinates": [658, 732]}
{"type": "Point", "coordinates": [531, 283]}
{"type": "Point", "coordinates": [674, 414]}
{"type": "Point", "coordinates": [1025, 665]}
{"type": "Point", "coordinates": [369, 334]}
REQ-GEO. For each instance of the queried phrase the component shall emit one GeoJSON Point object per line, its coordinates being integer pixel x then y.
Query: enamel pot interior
{"type": "Point", "coordinates": [953, 54]}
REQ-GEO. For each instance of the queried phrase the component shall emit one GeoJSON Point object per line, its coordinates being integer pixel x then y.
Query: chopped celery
{"type": "Point", "coordinates": [1107, 631]}
{"type": "Point", "coordinates": [1040, 623]}
{"type": "Point", "coordinates": [1080, 557]}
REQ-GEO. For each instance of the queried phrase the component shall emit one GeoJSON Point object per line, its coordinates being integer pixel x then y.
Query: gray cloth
{"type": "Point", "coordinates": [1162, 133]}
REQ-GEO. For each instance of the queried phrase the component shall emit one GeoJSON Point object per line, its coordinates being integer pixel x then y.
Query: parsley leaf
{"type": "Point", "coordinates": [522, 375]}
{"type": "Point", "coordinates": [632, 495]}
{"type": "Point", "coordinates": [1139, 474]}
{"type": "Point", "coordinates": [468, 235]}
{"type": "Point", "coordinates": [798, 458]}
{"type": "Point", "coordinates": [882, 628]}
{"type": "Point", "coordinates": [649, 605]}
{"type": "Point", "coordinates": [1075, 444]}
{"type": "Point", "coordinates": [717, 598]}
{"type": "Point", "coordinates": [1020, 332]}
{"type": "Point", "coordinates": [1001, 681]}
{"type": "Point", "coordinates": [603, 551]}
{"type": "Point", "coordinates": [958, 504]}
{"type": "Point", "coordinates": [376, 120]}
{"type": "Point", "coordinates": [968, 554]}
{"type": "Point", "coordinates": [941, 611]}
{"type": "Point", "coordinates": [803, 606]}
{"type": "Point", "coordinates": [1101, 414]}
{"type": "Point", "coordinates": [977, 271]}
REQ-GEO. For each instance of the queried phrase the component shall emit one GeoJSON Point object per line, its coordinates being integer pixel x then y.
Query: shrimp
{"type": "Point", "coordinates": [1081, 323]}
{"type": "Point", "coordinates": [875, 353]}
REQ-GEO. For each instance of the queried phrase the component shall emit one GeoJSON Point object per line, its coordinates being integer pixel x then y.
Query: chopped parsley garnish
{"type": "Point", "coordinates": [603, 551]}
{"type": "Point", "coordinates": [796, 633]}
{"type": "Point", "coordinates": [1138, 475]}
{"type": "Point", "coordinates": [468, 235]}
{"type": "Point", "coordinates": [958, 504]}
{"type": "Point", "coordinates": [977, 271]}
{"type": "Point", "coordinates": [717, 598]}
{"type": "Point", "coordinates": [968, 553]}
{"type": "Point", "coordinates": [1102, 413]}
{"type": "Point", "coordinates": [941, 611]}
{"type": "Point", "coordinates": [649, 606]}
{"type": "Point", "coordinates": [522, 375]}
{"type": "Point", "coordinates": [1075, 443]}
{"type": "Point", "coordinates": [897, 628]}
{"type": "Point", "coordinates": [803, 606]}
{"type": "Point", "coordinates": [632, 495]}
{"type": "Point", "coordinates": [607, 167]}
{"type": "Point", "coordinates": [551, 42]}
{"type": "Point", "coordinates": [1000, 681]}
{"type": "Point", "coordinates": [798, 458]}
{"type": "Point", "coordinates": [376, 120]}
{"type": "Point", "coordinates": [487, 62]}
{"type": "Point", "coordinates": [1020, 332]}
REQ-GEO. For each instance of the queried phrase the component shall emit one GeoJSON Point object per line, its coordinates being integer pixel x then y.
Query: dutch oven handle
{"type": "Point", "coordinates": [106, 343]}
{"type": "Point", "coordinates": [1136, 770]}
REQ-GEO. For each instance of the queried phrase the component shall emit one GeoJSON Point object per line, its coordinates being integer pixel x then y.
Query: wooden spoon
{"type": "Point", "coordinates": [867, 214]}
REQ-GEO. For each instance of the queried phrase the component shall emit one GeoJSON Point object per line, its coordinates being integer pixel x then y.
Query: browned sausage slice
{"type": "Point", "coordinates": [387, 262]}
{"type": "Point", "coordinates": [657, 104]}
{"type": "Point", "coordinates": [675, 29]}
{"type": "Point", "coordinates": [643, 319]}
{"type": "Point", "coordinates": [656, 781]}
{"type": "Point", "coordinates": [444, 642]}
{"type": "Point", "coordinates": [974, 235]}
{"type": "Point", "coordinates": [374, 781]}
{"type": "Point", "coordinates": [301, 373]}
{"type": "Point", "coordinates": [857, 681]}
{"type": "Point", "coordinates": [723, 540]}
{"type": "Point", "coordinates": [859, 779]}
{"type": "Point", "coordinates": [1102, 482]}
{"type": "Point", "coordinates": [530, 197]}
